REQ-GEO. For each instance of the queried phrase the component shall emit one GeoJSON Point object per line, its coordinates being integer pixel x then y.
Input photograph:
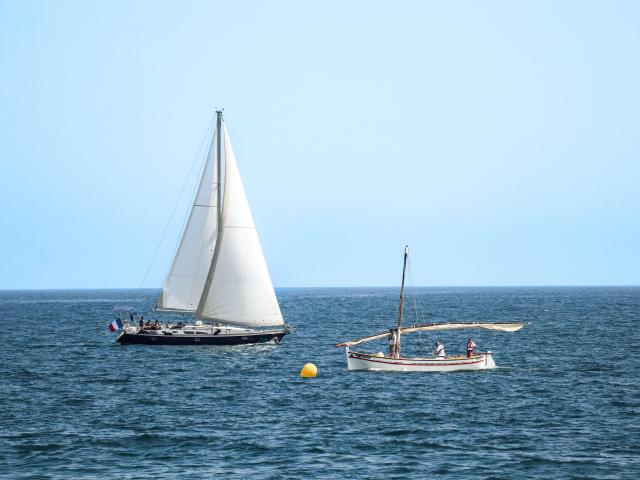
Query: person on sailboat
{"type": "Point", "coordinates": [471, 346]}
{"type": "Point", "coordinates": [439, 351]}
{"type": "Point", "coordinates": [392, 343]}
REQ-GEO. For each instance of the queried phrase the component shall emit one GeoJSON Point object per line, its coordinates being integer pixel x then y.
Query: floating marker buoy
{"type": "Point", "coordinates": [308, 371]}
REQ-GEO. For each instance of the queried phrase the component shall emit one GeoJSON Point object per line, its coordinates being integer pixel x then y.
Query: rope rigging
{"type": "Point", "coordinates": [417, 308]}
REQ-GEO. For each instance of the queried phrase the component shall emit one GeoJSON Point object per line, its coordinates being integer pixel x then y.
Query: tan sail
{"type": "Point", "coordinates": [497, 327]}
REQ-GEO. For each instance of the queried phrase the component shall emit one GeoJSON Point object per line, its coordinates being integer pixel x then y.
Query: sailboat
{"type": "Point", "coordinates": [218, 277]}
{"type": "Point", "coordinates": [395, 362]}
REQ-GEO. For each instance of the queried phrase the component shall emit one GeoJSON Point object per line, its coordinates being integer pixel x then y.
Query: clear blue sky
{"type": "Point", "coordinates": [500, 140]}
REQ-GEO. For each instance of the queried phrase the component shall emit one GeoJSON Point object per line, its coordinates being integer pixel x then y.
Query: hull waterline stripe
{"type": "Point", "coordinates": [417, 364]}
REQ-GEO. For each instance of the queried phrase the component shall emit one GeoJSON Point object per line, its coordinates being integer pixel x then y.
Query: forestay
{"type": "Point", "coordinates": [498, 327]}
{"type": "Point", "coordinates": [184, 283]}
{"type": "Point", "coordinates": [239, 290]}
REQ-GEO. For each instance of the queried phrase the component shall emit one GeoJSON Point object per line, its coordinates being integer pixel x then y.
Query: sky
{"type": "Point", "coordinates": [499, 140]}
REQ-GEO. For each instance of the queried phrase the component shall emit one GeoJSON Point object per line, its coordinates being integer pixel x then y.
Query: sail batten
{"type": "Point", "coordinates": [172, 310]}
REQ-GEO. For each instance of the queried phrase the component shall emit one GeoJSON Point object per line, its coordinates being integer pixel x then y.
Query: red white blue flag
{"type": "Point", "coordinates": [115, 325]}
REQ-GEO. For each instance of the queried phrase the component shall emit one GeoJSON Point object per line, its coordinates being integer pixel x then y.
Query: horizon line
{"type": "Point", "coordinates": [341, 286]}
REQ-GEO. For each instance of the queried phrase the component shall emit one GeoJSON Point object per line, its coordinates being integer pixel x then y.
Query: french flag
{"type": "Point", "coordinates": [115, 325]}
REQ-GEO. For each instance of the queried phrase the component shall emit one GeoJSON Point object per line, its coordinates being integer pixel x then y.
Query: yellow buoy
{"type": "Point", "coordinates": [308, 371]}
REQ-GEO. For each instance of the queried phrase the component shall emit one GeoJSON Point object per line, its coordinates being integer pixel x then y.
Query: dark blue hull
{"type": "Point", "coordinates": [201, 339]}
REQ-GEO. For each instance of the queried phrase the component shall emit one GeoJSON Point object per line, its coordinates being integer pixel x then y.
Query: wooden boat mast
{"type": "Point", "coordinates": [401, 307]}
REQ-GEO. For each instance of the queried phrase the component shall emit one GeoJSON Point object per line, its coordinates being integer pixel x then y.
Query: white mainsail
{"type": "Point", "coordinates": [239, 289]}
{"type": "Point", "coordinates": [184, 283]}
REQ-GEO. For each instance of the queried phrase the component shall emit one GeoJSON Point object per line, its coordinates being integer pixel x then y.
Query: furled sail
{"type": "Point", "coordinates": [183, 286]}
{"type": "Point", "coordinates": [239, 289]}
{"type": "Point", "coordinates": [497, 327]}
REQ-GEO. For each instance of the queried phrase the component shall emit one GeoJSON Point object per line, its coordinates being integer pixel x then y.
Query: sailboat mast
{"type": "Point", "coordinates": [219, 164]}
{"type": "Point", "coordinates": [207, 283]}
{"type": "Point", "coordinates": [401, 307]}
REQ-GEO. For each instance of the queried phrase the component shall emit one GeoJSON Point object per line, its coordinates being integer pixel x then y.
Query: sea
{"type": "Point", "coordinates": [564, 401]}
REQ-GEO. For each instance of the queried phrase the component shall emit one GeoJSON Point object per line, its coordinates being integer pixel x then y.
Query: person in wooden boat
{"type": "Point", "coordinates": [439, 351]}
{"type": "Point", "coordinates": [141, 322]}
{"type": "Point", "coordinates": [392, 343]}
{"type": "Point", "coordinates": [471, 346]}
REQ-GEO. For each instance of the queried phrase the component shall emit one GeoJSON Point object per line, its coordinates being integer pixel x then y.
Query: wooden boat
{"type": "Point", "coordinates": [218, 281]}
{"type": "Point", "coordinates": [358, 360]}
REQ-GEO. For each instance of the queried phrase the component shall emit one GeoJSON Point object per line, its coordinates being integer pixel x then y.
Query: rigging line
{"type": "Point", "coordinates": [420, 313]}
{"type": "Point", "coordinates": [410, 303]}
{"type": "Point", "coordinates": [175, 206]}
{"type": "Point", "coordinates": [415, 303]}
{"type": "Point", "coordinates": [414, 306]}
{"type": "Point", "coordinates": [411, 292]}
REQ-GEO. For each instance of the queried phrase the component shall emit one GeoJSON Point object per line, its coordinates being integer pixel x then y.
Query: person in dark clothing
{"type": "Point", "coordinates": [471, 346]}
{"type": "Point", "coordinates": [393, 344]}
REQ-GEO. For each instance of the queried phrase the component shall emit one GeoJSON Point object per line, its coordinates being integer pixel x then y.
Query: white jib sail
{"type": "Point", "coordinates": [240, 290]}
{"type": "Point", "coordinates": [184, 283]}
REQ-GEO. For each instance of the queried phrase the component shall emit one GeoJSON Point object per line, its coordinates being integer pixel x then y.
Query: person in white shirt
{"type": "Point", "coordinates": [439, 351]}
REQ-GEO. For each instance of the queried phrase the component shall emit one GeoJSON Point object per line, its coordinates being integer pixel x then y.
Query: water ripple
{"type": "Point", "coordinates": [562, 404]}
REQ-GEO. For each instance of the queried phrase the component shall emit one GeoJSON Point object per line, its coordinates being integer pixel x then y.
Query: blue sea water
{"type": "Point", "coordinates": [564, 402]}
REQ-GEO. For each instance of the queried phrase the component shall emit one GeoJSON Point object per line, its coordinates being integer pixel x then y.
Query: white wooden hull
{"type": "Point", "coordinates": [368, 361]}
